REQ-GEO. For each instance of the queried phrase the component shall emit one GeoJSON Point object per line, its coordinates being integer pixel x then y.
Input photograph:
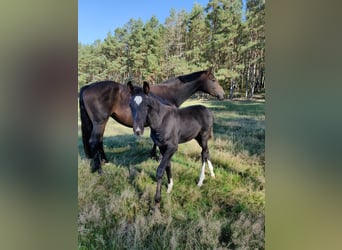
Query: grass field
{"type": "Point", "coordinates": [227, 212]}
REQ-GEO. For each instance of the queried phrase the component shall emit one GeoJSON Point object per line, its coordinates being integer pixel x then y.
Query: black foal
{"type": "Point", "coordinates": [170, 126]}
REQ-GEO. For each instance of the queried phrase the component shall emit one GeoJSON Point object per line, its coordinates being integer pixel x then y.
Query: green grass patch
{"type": "Point", "coordinates": [227, 212]}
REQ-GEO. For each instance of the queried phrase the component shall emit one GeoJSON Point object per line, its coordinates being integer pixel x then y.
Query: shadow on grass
{"type": "Point", "coordinates": [240, 107]}
{"type": "Point", "coordinates": [124, 150]}
{"type": "Point", "coordinates": [240, 122]}
{"type": "Point", "coordinates": [244, 133]}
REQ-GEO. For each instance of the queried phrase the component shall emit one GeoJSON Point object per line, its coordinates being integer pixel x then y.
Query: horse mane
{"type": "Point", "coordinates": [186, 78]}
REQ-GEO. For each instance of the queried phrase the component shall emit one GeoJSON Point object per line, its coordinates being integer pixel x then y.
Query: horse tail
{"type": "Point", "coordinates": [86, 124]}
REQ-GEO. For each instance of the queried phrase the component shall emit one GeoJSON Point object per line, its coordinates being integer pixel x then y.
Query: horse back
{"type": "Point", "coordinates": [100, 98]}
{"type": "Point", "coordinates": [194, 120]}
{"type": "Point", "coordinates": [199, 113]}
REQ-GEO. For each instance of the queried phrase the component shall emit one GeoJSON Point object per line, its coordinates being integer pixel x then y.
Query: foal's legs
{"type": "Point", "coordinates": [95, 142]}
{"type": "Point", "coordinates": [202, 140]}
{"type": "Point", "coordinates": [153, 153]}
{"type": "Point", "coordinates": [167, 153]}
{"type": "Point", "coordinates": [169, 178]}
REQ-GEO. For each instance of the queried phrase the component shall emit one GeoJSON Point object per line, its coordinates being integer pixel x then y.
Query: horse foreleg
{"type": "Point", "coordinates": [103, 156]}
{"type": "Point", "coordinates": [96, 163]}
{"type": "Point", "coordinates": [202, 175]}
{"type": "Point", "coordinates": [153, 153]}
{"type": "Point", "coordinates": [165, 162]}
{"type": "Point", "coordinates": [160, 173]}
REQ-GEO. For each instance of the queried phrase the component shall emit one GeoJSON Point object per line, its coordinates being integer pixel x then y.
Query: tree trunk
{"type": "Point", "coordinates": [232, 87]}
{"type": "Point", "coordinates": [253, 81]}
{"type": "Point", "coordinates": [247, 79]}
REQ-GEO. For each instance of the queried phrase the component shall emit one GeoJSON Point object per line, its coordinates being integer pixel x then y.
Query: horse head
{"type": "Point", "coordinates": [211, 85]}
{"type": "Point", "coordinates": [139, 104]}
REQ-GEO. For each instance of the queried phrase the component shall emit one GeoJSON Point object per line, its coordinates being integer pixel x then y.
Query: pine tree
{"type": "Point", "coordinates": [255, 47]}
{"type": "Point", "coordinates": [152, 70]}
{"type": "Point", "coordinates": [92, 63]}
{"type": "Point", "coordinates": [215, 36]}
{"type": "Point", "coordinates": [224, 20]}
{"type": "Point", "coordinates": [174, 44]}
{"type": "Point", "coordinates": [196, 39]}
{"type": "Point", "coordinates": [136, 49]}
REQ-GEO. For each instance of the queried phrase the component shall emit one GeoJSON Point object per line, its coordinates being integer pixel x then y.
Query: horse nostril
{"type": "Point", "coordinates": [138, 131]}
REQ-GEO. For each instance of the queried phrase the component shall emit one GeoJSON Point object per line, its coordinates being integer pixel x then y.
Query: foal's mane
{"type": "Point", "coordinates": [186, 78]}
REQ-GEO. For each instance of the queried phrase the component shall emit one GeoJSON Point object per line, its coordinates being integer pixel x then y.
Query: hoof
{"type": "Point", "coordinates": [156, 211]}
{"type": "Point", "coordinates": [156, 157]}
{"type": "Point", "coordinates": [93, 170]}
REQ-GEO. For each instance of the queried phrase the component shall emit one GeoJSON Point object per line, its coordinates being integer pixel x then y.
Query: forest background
{"type": "Point", "coordinates": [222, 35]}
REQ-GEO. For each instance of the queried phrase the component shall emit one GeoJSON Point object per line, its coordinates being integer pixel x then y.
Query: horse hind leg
{"type": "Point", "coordinates": [153, 153]}
{"type": "Point", "coordinates": [96, 147]}
{"type": "Point", "coordinates": [204, 154]}
{"type": "Point", "coordinates": [202, 140]}
{"type": "Point", "coordinates": [207, 157]}
{"type": "Point", "coordinates": [202, 175]}
{"type": "Point", "coordinates": [210, 165]}
{"type": "Point", "coordinates": [169, 178]}
{"type": "Point", "coordinates": [211, 169]}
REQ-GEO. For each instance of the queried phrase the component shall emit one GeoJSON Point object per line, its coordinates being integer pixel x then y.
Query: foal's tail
{"type": "Point", "coordinates": [86, 124]}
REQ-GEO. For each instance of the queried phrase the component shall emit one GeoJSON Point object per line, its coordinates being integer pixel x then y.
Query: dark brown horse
{"type": "Point", "coordinates": [100, 100]}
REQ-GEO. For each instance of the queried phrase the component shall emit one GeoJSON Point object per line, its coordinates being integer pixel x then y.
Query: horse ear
{"type": "Point", "coordinates": [209, 70]}
{"type": "Point", "coordinates": [146, 88]}
{"type": "Point", "coordinates": [130, 86]}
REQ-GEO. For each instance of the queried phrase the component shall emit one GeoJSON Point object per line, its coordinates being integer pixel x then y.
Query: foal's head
{"type": "Point", "coordinates": [139, 103]}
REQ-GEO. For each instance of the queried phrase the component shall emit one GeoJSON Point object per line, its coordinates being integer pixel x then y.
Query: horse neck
{"type": "Point", "coordinates": [182, 91]}
{"type": "Point", "coordinates": [178, 92]}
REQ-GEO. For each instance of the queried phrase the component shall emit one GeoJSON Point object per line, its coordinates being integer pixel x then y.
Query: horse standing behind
{"type": "Point", "coordinates": [170, 126]}
{"type": "Point", "coordinates": [101, 100]}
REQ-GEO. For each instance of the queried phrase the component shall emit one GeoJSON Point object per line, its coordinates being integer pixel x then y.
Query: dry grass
{"type": "Point", "coordinates": [227, 212]}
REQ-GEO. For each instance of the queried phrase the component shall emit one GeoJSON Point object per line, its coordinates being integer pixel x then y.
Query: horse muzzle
{"type": "Point", "coordinates": [220, 97]}
{"type": "Point", "coordinates": [138, 131]}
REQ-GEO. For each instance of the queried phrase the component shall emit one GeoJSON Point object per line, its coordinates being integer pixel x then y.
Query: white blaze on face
{"type": "Point", "coordinates": [138, 99]}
